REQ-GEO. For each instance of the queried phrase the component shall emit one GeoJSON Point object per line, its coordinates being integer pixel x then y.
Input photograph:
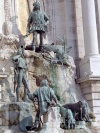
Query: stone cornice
{"type": "Point", "coordinates": [88, 78]}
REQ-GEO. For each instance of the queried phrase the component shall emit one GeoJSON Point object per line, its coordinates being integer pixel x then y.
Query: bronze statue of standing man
{"type": "Point", "coordinates": [46, 98]}
{"type": "Point", "coordinates": [37, 24]}
{"type": "Point", "coordinates": [20, 74]}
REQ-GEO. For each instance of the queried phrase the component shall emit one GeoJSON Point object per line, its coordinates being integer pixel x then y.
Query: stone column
{"type": "Point", "coordinates": [79, 29]}
{"type": "Point", "coordinates": [97, 3]}
{"type": "Point", "coordinates": [0, 94]}
{"type": "Point", "coordinates": [90, 29]}
{"type": "Point", "coordinates": [2, 16]}
{"type": "Point", "coordinates": [90, 66]}
{"type": "Point", "coordinates": [91, 63]}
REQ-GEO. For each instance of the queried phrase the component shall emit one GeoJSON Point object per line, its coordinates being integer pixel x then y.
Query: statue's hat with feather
{"type": "Point", "coordinates": [36, 3]}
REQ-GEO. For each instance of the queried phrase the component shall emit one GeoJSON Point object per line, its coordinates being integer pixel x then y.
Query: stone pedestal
{"type": "Point", "coordinates": [80, 125]}
{"type": "Point", "coordinates": [91, 90]}
{"type": "Point", "coordinates": [51, 122]}
{"type": "Point", "coordinates": [90, 67]}
{"type": "Point", "coordinates": [90, 83]}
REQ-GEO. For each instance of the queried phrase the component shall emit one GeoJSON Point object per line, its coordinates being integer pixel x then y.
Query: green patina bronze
{"type": "Point", "coordinates": [20, 76]}
{"type": "Point", "coordinates": [45, 96]}
{"type": "Point", "coordinates": [67, 116]}
{"type": "Point", "coordinates": [37, 24]}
